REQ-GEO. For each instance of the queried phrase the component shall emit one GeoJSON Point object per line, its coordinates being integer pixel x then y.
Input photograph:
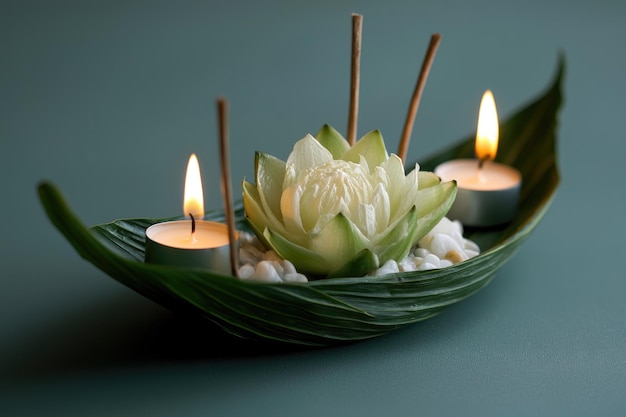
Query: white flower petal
{"type": "Point", "coordinates": [382, 207]}
{"type": "Point", "coordinates": [308, 153]}
{"type": "Point", "coordinates": [290, 207]}
{"type": "Point", "coordinates": [365, 219]}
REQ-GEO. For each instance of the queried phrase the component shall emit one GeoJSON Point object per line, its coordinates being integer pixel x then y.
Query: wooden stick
{"type": "Point", "coordinates": [355, 70]}
{"type": "Point", "coordinates": [227, 195]}
{"type": "Point", "coordinates": [435, 39]}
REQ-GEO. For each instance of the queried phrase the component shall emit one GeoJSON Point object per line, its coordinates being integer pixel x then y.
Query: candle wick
{"type": "Point", "coordinates": [193, 224]}
{"type": "Point", "coordinates": [481, 162]}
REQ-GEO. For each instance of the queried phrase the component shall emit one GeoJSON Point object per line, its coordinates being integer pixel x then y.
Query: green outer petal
{"type": "Point", "coordinates": [399, 240]}
{"type": "Point", "coordinates": [371, 146]}
{"type": "Point", "coordinates": [439, 199]}
{"type": "Point", "coordinates": [270, 173]}
{"type": "Point", "coordinates": [257, 217]}
{"type": "Point", "coordinates": [362, 263]}
{"type": "Point", "coordinates": [427, 179]}
{"type": "Point", "coordinates": [333, 141]}
{"type": "Point", "coordinates": [253, 206]}
{"type": "Point", "coordinates": [339, 241]}
{"type": "Point", "coordinates": [305, 260]}
{"type": "Point", "coordinates": [254, 213]}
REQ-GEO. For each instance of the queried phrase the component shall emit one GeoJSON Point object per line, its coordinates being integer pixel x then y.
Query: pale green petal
{"type": "Point", "coordinates": [395, 170]}
{"type": "Point", "coordinates": [322, 221]}
{"type": "Point", "coordinates": [402, 190]}
{"type": "Point", "coordinates": [435, 202]}
{"type": "Point", "coordinates": [252, 207]}
{"type": "Point", "coordinates": [270, 173]}
{"type": "Point", "coordinates": [427, 179]}
{"type": "Point", "coordinates": [338, 242]}
{"type": "Point", "coordinates": [399, 240]}
{"type": "Point", "coordinates": [308, 153]}
{"type": "Point", "coordinates": [290, 207]}
{"type": "Point", "coordinates": [411, 180]}
{"type": "Point", "coordinates": [364, 166]}
{"type": "Point", "coordinates": [305, 260]}
{"type": "Point", "coordinates": [310, 207]}
{"type": "Point", "coordinates": [408, 189]}
{"type": "Point", "coordinates": [363, 262]}
{"type": "Point", "coordinates": [371, 146]}
{"type": "Point", "coordinates": [333, 141]}
{"type": "Point", "coordinates": [365, 219]}
{"type": "Point", "coordinates": [262, 217]}
{"type": "Point", "coordinates": [291, 176]}
{"type": "Point", "coordinates": [382, 206]}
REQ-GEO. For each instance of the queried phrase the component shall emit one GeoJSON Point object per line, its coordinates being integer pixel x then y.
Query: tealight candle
{"type": "Point", "coordinates": [488, 192]}
{"type": "Point", "coordinates": [194, 242]}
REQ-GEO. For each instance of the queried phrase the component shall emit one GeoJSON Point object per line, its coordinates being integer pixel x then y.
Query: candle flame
{"type": "Point", "coordinates": [193, 198]}
{"type": "Point", "coordinates": [487, 132]}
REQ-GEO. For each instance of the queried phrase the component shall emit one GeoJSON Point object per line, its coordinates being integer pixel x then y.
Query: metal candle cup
{"type": "Point", "coordinates": [485, 197]}
{"type": "Point", "coordinates": [191, 243]}
{"type": "Point", "coordinates": [488, 192]}
{"type": "Point", "coordinates": [172, 243]}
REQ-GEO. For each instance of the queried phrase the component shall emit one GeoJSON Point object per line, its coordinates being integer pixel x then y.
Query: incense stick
{"type": "Point", "coordinates": [227, 195]}
{"type": "Point", "coordinates": [357, 23]}
{"type": "Point", "coordinates": [417, 95]}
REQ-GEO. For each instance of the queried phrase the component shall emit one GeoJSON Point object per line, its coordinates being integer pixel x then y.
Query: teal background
{"type": "Point", "coordinates": [108, 99]}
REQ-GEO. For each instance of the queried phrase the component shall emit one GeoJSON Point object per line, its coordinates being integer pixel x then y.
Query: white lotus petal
{"type": "Point", "coordinates": [308, 153]}
{"type": "Point", "coordinates": [290, 207]}
{"type": "Point", "coordinates": [365, 219]}
{"type": "Point", "coordinates": [407, 196]}
{"type": "Point", "coordinates": [291, 176]}
{"type": "Point", "coordinates": [382, 208]}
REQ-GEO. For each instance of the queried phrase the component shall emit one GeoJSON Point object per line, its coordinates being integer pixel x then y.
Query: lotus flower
{"type": "Point", "coordinates": [336, 210]}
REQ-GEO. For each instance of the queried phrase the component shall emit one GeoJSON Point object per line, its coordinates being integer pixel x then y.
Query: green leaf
{"type": "Point", "coordinates": [341, 309]}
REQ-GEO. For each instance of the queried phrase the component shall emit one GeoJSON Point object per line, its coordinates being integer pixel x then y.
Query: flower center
{"type": "Point", "coordinates": [334, 187]}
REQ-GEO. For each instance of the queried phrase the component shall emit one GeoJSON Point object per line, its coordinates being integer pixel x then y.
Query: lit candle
{"type": "Point", "coordinates": [488, 192]}
{"type": "Point", "coordinates": [194, 242]}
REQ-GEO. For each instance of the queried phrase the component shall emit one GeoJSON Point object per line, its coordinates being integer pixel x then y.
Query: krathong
{"type": "Point", "coordinates": [337, 210]}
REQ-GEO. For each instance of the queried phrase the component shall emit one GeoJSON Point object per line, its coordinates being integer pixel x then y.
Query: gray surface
{"type": "Point", "coordinates": [107, 100]}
